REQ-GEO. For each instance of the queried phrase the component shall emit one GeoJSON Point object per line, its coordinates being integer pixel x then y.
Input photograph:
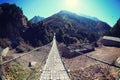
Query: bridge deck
{"type": "Point", "coordinates": [54, 68]}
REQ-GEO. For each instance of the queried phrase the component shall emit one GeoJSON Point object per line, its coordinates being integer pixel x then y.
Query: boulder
{"type": "Point", "coordinates": [117, 62]}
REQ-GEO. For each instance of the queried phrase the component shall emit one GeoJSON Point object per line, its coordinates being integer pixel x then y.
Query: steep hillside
{"type": "Point", "coordinates": [17, 32]}
{"type": "Point", "coordinates": [115, 31]}
{"type": "Point", "coordinates": [12, 24]}
{"type": "Point", "coordinates": [37, 35]}
{"type": "Point", "coordinates": [76, 26]}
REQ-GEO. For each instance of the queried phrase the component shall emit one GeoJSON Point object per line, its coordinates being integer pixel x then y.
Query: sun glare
{"type": "Point", "coordinates": [71, 4]}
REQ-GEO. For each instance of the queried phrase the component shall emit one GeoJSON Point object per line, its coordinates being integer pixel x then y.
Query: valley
{"type": "Point", "coordinates": [79, 39]}
{"type": "Point", "coordinates": [80, 67]}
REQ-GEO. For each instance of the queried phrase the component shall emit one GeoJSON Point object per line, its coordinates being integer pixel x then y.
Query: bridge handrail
{"type": "Point", "coordinates": [102, 61]}
{"type": "Point", "coordinates": [19, 56]}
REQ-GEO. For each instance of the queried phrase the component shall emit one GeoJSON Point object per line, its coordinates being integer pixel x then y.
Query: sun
{"type": "Point", "coordinates": [71, 4]}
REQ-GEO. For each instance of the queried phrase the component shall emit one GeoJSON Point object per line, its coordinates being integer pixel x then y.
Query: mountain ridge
{"type": "Point", "coordinates": [115, 31]}
{"type": "Point", "coordinates": [90, 17]}
{"type": "Point", "coordinates": [76, 22]}
{"type": "Point", "coordinates": [69, 27]}
{"type": "Point", "coordinates": [36, 19]}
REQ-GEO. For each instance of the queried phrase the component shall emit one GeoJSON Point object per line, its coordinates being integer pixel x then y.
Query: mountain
{"type": "Point", "coordinates": [36, 19]}
{"type": "Point", "coordinates": [37, 35]}
{"type": "Point", "coordinates": [70, 26]}
{"type": "Point", "coordinates": [14, 27]}
{"type": "Point", "coordinates": [12, 24]}
{"type": "Point", "coordinates": [90, 17]}
{"type": "Point", "coordinates": [115, 31]}
{"type": "Point", "coordinates": [17, 32]}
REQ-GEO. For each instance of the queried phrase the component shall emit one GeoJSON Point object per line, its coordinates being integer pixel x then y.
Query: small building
{"type": "Point", "coordinates": [111, 41]}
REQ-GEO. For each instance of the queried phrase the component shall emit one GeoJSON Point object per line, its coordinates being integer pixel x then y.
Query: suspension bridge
{"type": "Point", "coordinates": [54, 68]}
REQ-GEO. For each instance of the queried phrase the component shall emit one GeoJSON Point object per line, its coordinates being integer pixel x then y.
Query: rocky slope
{"type": "Point", "coordinates": [76, 26]}
{"type": "Point", "coordinates": [115, 31]}
{"type": "Point", "coordinates": [12, 24]}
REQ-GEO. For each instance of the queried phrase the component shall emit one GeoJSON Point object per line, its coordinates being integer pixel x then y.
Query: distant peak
{"type": "Point", "coordinates": [36, 19]}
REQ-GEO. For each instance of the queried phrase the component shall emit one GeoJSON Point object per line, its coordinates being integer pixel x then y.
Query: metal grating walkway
{"type": "Point", "coordinates": [54, 68]}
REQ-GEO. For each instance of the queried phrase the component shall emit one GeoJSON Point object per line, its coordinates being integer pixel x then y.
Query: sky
{"type": "Point", "coordinates": [105, 10]}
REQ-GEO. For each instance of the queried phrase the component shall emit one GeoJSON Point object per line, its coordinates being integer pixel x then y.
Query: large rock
{"type": "Point", "coordinates": [5, 51]}
{"type": "Point", "coordinates": [117, 62]}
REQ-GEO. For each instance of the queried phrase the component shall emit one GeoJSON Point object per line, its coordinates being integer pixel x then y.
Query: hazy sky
{"type": "Point", "coordinates": [105, 10]}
